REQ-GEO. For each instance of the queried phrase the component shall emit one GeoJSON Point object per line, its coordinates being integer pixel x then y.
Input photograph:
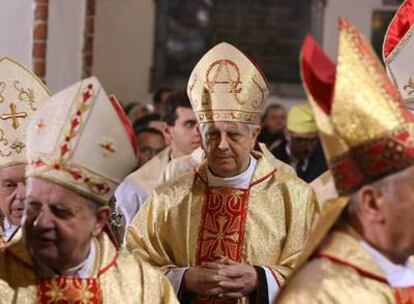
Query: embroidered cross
{"type": "Point", "coordinates": [14, 115]}
{"type": "Point", "coordinates": [108, 147]}
{"type": "Point", "coordinates": [40, 125]}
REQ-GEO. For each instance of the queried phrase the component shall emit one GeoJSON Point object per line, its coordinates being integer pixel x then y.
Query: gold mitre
{"type": "Point", "coordinates": [21, 94]}
{"type": "Point", "coordinates": [366, 130]}
{"type": "Point", "coordinates": [226, 86]}
{"type": "Point", "coordinates": [398, 51]}
{"type": "Point", "coordinates": [83, 141]}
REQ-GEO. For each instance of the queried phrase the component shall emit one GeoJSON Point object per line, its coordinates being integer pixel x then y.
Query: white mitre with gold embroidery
{"type": "Point", "coordinates": [21, 94]}
{"type": "Point", "coordinates": [226, 86]}
{"type": "Point", "coordinates": [398, 51]}
{"type": "Point", "coordinates": [82, 140]}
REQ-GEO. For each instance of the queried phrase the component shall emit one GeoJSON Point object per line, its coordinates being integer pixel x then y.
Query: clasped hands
{"type": "Point", "coordinates": [221, 278]}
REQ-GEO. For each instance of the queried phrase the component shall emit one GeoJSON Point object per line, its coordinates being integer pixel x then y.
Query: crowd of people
{"type": "Point", "coordinates": [211, 195]}
{"type": "Point", "coordinates": [291, 137]}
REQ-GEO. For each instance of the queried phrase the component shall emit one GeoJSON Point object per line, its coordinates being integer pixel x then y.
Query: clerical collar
{"type": "Point", "coordinates": [9, 229]}
{"type": "Point", "coordinates": [241, 181]}
{"type": "Point", "coordinates": [398, 276]}
{"type": "Point", "coordinates": [81, 271]}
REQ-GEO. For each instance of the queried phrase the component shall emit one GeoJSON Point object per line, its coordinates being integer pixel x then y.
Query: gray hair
{"type": "Point", "coordinates": [205, 126]}
{"type": "Point", "coordinates": [386, 185]}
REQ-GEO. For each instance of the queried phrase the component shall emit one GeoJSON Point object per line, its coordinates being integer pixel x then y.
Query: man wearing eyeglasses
{"type": "Point", "coordinates": [150, 143]}
{"type": "Point", "coordinates": [302, 149]}
{"type": "Point", "coordinates": [21, 94]}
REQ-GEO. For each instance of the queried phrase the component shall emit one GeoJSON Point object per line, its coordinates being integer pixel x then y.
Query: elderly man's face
{"type": "Point", "coordinates": [59, 224]}
{"type": "Point", "coordinates": [228, 146]}
{"type": "Point", "coordinates": [12, 194]}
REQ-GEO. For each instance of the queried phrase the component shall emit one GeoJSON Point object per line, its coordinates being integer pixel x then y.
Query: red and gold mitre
{"type": "Point", "coordinates": [21, 95]}
{"type": "Point", "coordinates": [398, 51]}
{"type": "Point", "coordinates": [82, 140]}
{"type": "Point", "coordinates": [366, 130]}
{"type": "Point", "coordinates": [225, 85]}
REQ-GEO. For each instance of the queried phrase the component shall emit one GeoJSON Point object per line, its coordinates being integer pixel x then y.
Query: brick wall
{"type": "Point", "coordinates": [87, 52]}
{"type": "Point", "coordinates": [40, 37]}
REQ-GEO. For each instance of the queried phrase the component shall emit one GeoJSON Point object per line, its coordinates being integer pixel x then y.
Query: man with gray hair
{"type": "Point", "coordinates": [361, 250]}
{"type": "Point", "coordinates": [231, 230]}
{"type": "Point", "coordinates": [67, 254]}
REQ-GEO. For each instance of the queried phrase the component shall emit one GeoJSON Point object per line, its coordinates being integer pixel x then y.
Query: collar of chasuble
{"type": "Point", "coordinates": [343, 246]}
{"type": "Point", "coordinates": [68, 289]}
{"type": "Point", "coordinates": [149, 174]}
{"type": "Point", "coordinates": [263, 170]}
{"type": "Point", "coordinates": [106, 254]}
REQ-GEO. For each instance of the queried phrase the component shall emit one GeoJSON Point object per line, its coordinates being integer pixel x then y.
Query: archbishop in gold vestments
{"type": "Point", "coordinates": [345, 267]}
{"type": "Point", "coordinates": [115, 277]}
{"type": "Point", "coordinates": [92, 169]}
{"type": "Point", "coordinates": [185, 223]}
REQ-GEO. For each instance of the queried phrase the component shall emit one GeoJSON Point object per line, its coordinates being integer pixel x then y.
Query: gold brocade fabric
{"type": "Point", "coordinates": [151, 174]}
{"type": "Point", "coordinates": [273, 161]}
{"type": "Point", "coordinates": [116, 277]}
{"type": "Point", "coordinates": [324, 187]}
{"type": "Point", "coordinates": [340, 272]}
{"type": "Point", "coordinates": [360, 69]}
{"type": "Point", "coordinates": [362, 145]}
{"type": "Point", "coordinates": [281, 210]}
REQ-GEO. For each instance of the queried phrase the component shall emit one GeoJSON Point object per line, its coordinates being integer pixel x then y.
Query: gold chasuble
{"type": "Point", "coordinates": [115, 277]}
{"type": "Point", "coordinates": [341, 271]}
{"type": "Point", "coordinates": [185, 223]}
{"type": "Point", "coordinates": [151, 174]}
{"type": "Point", "coordinates": [264, 223]}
